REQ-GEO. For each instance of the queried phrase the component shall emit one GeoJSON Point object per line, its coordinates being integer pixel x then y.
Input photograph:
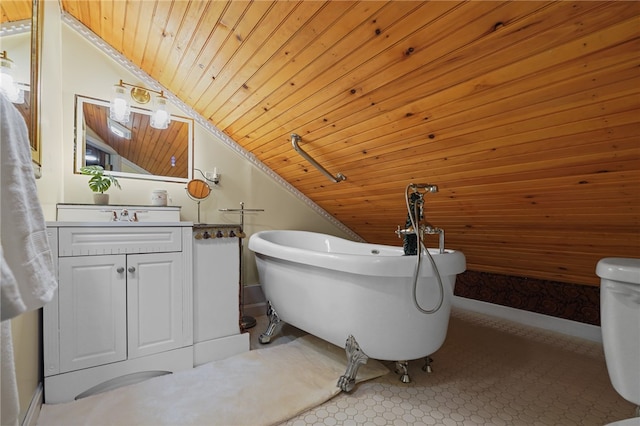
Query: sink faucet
{"type": "Point", "coordinates": [124, 216]}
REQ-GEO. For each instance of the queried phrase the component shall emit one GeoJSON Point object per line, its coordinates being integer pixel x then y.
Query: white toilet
{"type": "Point", "coordinates": [620, 325]}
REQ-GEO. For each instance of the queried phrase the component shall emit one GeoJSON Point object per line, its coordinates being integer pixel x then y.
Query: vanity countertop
{"type": "Point", "coordinates": [114, 206]}
{"type": "Point", "coordinates": [106, 213]}
{"type": "Point", "coordinates": [115, 224]}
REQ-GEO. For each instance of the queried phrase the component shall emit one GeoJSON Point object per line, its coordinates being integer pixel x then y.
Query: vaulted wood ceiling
{"type": "Point", "coordinates": [15, 10]}
{"type": "Point", "coordinates": [525, 114]}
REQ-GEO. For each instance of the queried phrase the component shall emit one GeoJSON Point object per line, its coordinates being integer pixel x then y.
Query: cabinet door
{"type": "Point", "coordinates": [92, 311]}
{"type": "Point", "coordinates": [154, 294]}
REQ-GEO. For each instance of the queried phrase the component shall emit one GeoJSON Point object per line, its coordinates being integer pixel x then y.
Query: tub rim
{"type": "Point", "coordinates": [452, 262]}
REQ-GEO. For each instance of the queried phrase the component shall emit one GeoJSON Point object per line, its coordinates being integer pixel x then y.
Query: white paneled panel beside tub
{"type": "Point", "coordinates": [216, 288]}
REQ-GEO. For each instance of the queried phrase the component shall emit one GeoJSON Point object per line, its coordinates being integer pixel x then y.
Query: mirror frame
{"type": "Point", "coordinates": [201, 191]}
{"type": "Point", "coordinates": [79, 145]}
{"type": "Point", "coordinates": [37, 14]}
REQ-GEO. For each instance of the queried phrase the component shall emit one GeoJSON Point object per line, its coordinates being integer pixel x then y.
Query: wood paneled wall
{"type": "Point", "coordinates": [526, 114]}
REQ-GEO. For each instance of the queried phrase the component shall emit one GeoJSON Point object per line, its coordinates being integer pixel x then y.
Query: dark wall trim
{"type": "Point", "coordinates": [574, 302]}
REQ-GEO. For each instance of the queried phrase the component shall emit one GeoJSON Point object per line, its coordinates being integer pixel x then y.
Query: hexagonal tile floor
{"type": "Point", "coordinates": [488, 372]}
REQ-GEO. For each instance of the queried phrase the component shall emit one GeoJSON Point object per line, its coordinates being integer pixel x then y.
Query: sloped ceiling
{"type": "Point", "coordinates": [525, 114]}
{"type": "Point", "coordinates": [15, 10]}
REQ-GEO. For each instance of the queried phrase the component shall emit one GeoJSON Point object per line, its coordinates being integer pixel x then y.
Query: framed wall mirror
{"type": "Point", "coordinates": [21, 34]}
{"type": "Point", "coordinates": [134, 149]}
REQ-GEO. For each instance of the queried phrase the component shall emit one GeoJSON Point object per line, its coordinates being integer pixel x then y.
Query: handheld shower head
{"type": "Point", "coordinates": [426, 186]}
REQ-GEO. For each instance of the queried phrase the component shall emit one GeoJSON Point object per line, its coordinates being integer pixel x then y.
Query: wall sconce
{"type": "Point", "coordinates": [7, 84]}
{"type": "Point", "coordinates": [213, 176]}
{"type": "Point", "coordinates": [120, 109]}
{"type": "Point", "coordinates": [210, 177]}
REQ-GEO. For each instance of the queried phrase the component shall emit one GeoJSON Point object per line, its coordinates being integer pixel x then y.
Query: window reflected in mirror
{"type": "Point", "coordinates": [134, 149]}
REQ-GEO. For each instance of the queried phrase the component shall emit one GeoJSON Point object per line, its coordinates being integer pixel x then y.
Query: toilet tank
{"type": "Point", "coordinates": [620, 323]}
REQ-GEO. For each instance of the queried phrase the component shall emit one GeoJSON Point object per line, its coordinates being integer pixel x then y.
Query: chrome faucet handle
{"type": "Point", "coordinates": [428, 229]}
{"type": "Point", "coordinates": [400, 232]}
{"type": "Point", "coordinates": [114, 216]}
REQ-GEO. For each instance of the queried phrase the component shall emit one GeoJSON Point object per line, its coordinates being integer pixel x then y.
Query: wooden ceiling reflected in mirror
{"type": "Point", "coordinates": [132, 149]}
{"type": "Point", "coordinates": [20, 16]}
{"type": "Point", "coordinates": [198, 189]}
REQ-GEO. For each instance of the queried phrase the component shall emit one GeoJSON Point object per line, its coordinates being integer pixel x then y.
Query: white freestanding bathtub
{"type": "Point", "coordinates": [335, 288]}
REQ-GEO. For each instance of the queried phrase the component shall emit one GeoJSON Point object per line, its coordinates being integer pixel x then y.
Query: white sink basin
{"type": "Point", "coordinates": [123, 213]}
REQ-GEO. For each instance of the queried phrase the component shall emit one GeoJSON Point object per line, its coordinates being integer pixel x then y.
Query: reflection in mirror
{"type": "Point", "coordinates": [18, 33]}
{"type": "Point", "coordinates": [25, 106]}
{"type": "Point", "coordinates": [198, 190]}
{"type": "Point", "coordinates": [37, 19]}
{"type": "Point", "coordinates": [134, 149]}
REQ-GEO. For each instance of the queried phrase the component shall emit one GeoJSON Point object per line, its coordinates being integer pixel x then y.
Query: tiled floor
{"type": "Point", "coordinates": [488, 372]}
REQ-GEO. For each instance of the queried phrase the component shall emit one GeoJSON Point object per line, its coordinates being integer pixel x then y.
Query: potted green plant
{"type": "Point", "coordinates": [99, 183]}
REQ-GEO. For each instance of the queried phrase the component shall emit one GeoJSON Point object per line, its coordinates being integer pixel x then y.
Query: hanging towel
{"type": "Point", "coordinates": [26, 254]}
{"type": "Point", "coordinates": [10, 403]}
{"type": "Point", "coordinates": [12, 304]}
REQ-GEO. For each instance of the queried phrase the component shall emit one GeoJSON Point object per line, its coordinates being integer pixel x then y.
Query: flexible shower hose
{"type": "Point", "coordinates": [416, 272]}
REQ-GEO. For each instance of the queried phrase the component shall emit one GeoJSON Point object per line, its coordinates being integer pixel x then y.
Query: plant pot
{"type": "Point", "coordinates": [100, 198]}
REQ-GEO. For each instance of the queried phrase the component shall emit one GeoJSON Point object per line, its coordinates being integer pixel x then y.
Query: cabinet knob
{"type": "Point", "coordinates": [131, 269]}
{"type": "Point", "coordinates": [120, 270]}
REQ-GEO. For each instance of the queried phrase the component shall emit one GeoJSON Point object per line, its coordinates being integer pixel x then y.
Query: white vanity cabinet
{"type": "Point", "coordinates": [123, 310]}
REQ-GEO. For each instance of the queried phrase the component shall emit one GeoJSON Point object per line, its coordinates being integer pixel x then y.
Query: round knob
{"type": "Point", "coordinates": [120, 270]}
{"type": "Point", "coordinates": [131, 269]}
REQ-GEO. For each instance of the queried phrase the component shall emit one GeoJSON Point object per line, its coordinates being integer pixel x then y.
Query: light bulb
{"type": "Point", "coordinates": [119, 109]}
{"type": "Point", "coordinates": [160, 118]}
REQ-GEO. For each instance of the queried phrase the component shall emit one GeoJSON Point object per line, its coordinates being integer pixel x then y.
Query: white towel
{"type": "Point", "coordinates": [25, 249]}
{"type": "Point", "coordinates": [12, 304]}
{"type": "Point", "coordinates": [9, 402]}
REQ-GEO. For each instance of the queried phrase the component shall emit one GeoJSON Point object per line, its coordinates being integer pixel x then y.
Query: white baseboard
{"type": "Point", "coordinates": [217, 349]}
{"type": "Point", "coordinates": [255, 310]}
{"type": "Point", "coordinates": [33, 412]}
{"type": "Point", "coordinates": [560, 325]}
{"type": "Point", "coordinates": [253, 294]}
{"type": "Point", "coordinates": [255, 304]}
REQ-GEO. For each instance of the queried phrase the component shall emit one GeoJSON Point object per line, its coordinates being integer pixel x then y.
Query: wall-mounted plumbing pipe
{"type": "Point", "coordinates": [295, 139]}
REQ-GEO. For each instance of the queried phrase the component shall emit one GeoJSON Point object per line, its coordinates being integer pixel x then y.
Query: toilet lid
{"type": "Point", "coordinates": [634, 421]}
{"type": "Point", "coordinates": [625, 270]}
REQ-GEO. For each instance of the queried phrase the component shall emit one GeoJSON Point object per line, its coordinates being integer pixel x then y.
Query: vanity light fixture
{"type": "Point", "coordinates": [120, 108]}
{"type": "Point", "coordinates": [7, 84]}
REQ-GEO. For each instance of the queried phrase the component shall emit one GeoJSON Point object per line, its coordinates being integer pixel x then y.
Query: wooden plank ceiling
{"type": "Point", "coordinates": [15, 10]}
{"type": "Point", "coordinates": [525, 114]}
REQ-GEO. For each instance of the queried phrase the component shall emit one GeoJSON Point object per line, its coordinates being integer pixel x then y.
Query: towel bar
{"type": "Point", "coordinates": [294, 141]}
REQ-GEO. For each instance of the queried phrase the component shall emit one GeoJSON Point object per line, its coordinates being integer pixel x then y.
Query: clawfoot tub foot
{"type": "Point", "coordinates": [402, 368]}
{"type": "Point", "coordinates": [274, 321]}
{"type": "Point", "coordinates": [355, 358]}
{"type": "Point", "coordinates": [427, 364]}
